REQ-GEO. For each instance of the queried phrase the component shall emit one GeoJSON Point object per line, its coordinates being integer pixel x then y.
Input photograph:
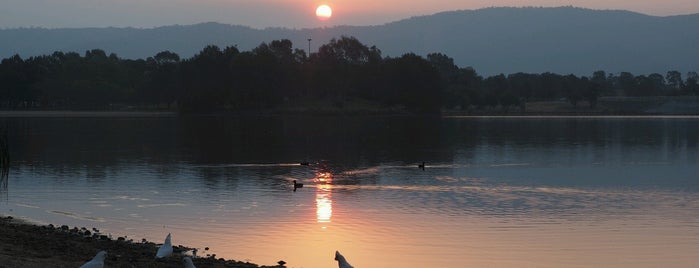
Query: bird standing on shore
{"type": "Point", "coordinates": [341, 261]}
{"type": "Point", "coordinates": [188, 262]}
{"type": "Point", "coordinates": [164, 250]}
{"type": "Point", "coordinates": [97, 261]}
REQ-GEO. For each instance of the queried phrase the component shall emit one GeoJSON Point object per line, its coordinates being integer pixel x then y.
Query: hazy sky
{"type": "Point", "coordinates": [274, 13]}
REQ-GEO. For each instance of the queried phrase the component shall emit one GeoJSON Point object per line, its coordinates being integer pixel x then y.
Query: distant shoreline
{"type": "Point", "coordinates": [575, 116]}
{"type": "Point", "coordinates": [160, 114]}
{"type": "Point", "coordinates": [65, 113]}
{"type": "Point", "coordinates": [606, 107]}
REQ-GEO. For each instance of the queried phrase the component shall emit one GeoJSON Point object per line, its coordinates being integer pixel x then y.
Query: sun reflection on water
{"type": "Point", "coordinates": [324, 209]}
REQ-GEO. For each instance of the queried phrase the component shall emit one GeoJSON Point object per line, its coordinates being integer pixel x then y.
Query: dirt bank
{"type": "Point", "coordinates": [27, 245]}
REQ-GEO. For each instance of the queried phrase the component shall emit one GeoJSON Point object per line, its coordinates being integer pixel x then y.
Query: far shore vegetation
{"type": "Point", "coordinates": [343, 76]}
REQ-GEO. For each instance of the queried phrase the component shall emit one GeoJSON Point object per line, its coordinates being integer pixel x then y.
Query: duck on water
{"type": "Point", "coordinates": [297, 185]}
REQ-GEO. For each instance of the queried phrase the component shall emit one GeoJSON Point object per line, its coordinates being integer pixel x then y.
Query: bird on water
{"type": "Point", "coordinates": [297, 185]}
{"type": "Point", "coordinates": [421, 166]}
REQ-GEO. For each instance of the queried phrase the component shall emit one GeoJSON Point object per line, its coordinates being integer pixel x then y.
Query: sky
{"type": "Point", "coordinates": [275, 13]}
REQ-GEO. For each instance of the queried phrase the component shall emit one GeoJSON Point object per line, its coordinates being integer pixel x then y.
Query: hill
{"type": "Point", "coordinates": [492, 40]}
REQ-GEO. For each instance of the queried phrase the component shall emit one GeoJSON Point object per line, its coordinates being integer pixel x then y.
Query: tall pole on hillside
{"type": "Point", "coordinates": [309, 47]}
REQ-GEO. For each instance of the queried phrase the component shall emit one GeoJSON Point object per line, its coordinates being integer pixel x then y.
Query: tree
{"type": "Point", "coordinates": [204, 81]}
{"type": "Point", "coordinates": [494, 87]}
{"type": "Point", "coordinates": [691, 84]}
{"type": "Point", "coordinates": [163, 81]}
{"type": "Point", "coordinates": [627, 84]}
{"type": "Point", "coordinates": [674, 80]}
{"type": "Point", "coordinates": [413, 82]}
{"type": "Point", "coordinates": [14, 83]}
{"type": "Point", "coordinates": [550, 85]}
{"type": "Point", "coordinates": [591, 91]}
{"type": "Point", "coordinates": [348, 50]}
{"type": "Point", "coordinates": [522, 85]}
{"type": "Point", "coordinates": [469, 85]}
{"type": "Point", "coordinates": [601, 83]}
{"type": "Point", "coordinates": [574, 89]}
{"type": "Point", "coordinates": [166, 57]}
{"type": "Point", "coordinates": [449, 74]}
{"type": "Point", "coordinates": [344, 67]}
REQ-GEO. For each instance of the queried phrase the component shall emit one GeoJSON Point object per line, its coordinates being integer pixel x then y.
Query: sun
{"type": "Point", "coordinates": [324, 12]}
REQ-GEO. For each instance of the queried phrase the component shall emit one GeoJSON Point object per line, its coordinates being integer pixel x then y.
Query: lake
{"type": "Point", "coordinates": [495, 191]}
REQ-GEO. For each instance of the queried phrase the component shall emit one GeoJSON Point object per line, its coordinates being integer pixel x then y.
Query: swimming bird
{"type": "Point", "coordinates": [164, 250]}
{"type": "Point", "coordinates": [421, 166]}
{"type": "Point", "coordinates": [188, 262]}
{"type": "Point", "coordinates": [304, 163]}
{"type": "Point", "coordinates": [297, 185]}
{"type": "Point", "coordinates": [341, 262]}
{"type": "Point", "coordinates": [97, 261]}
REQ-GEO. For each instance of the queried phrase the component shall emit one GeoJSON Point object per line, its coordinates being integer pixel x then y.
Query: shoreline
{"type": "Point", "coordinates": [603, 107]}
{"type": "Point", "coordinates": [446, 114]}
{"type": "Point", "coordinates": [24, 244]}
{"type": "Point", "coordinates": [68, 113]}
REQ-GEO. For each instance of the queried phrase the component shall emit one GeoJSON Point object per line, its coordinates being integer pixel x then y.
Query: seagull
{"type": "Point", "coordinates": [188, 263]}
{"type": "Point", "coordinates": [166, 249]}
{"type": "Point", "coordinates": [97, 261]}
{"type": "Point", "coordinates": [297, 185]}
{"type": "Point", "coordinates": [341, 262]}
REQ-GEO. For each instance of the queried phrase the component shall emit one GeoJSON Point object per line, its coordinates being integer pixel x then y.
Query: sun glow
{"type": "Point", "coordinates": [324, 12]}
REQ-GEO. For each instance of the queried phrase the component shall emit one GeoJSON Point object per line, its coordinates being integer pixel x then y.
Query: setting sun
{"type": "Point", "coordinates": [324, 12]}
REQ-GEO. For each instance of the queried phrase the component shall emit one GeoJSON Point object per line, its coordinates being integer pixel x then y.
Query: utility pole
{"type": "Point", "coordinates": [309, 47]}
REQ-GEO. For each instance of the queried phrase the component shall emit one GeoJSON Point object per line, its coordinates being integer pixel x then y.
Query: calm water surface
{"type": "Point", "coordinates": [496, 192]}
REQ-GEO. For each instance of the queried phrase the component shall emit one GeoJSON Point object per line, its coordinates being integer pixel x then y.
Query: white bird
{"type": "Point", "coordinates": [341, 262]}
{"type": "Point", "coordinates": [188, 263]}
{"type": "Point", "coordinates": [97, 261]}
{"type": "Point", "coordinates": [166, 249]}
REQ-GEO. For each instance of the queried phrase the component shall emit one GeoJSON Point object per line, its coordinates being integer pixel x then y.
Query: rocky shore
{"type": "Point", "coordinates": [27, 245]}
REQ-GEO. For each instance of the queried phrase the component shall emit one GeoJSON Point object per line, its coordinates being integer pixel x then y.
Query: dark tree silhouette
{"type": "Point", "coordinates": [273, 74]}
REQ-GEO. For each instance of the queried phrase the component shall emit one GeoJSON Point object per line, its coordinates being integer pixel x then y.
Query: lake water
{"type": "Point", "coordinates": [496, 192]}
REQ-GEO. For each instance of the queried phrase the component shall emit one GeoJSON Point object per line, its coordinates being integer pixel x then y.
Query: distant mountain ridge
{"type": "Point", "coordinates": [491, 40]}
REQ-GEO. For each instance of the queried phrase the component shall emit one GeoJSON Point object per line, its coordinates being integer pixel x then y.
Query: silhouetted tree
{"type": "Point", "coordinates": [163, 81]}
{"type": "Point", "coordinates": [691, 83]}
{"type": "Point", "coordinates": [273, 73]}
{"type": "Point", "coordinates": [413, 82]}
{"type": "Point", "coordinates": [674, 80]}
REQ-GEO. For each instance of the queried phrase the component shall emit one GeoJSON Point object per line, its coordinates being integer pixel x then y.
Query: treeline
{"type": "Point", "coordinates": [272, 74]}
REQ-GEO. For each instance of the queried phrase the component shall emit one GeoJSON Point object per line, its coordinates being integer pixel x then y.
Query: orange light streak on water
{"type": "Point", "coordinates": [324, 204]}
